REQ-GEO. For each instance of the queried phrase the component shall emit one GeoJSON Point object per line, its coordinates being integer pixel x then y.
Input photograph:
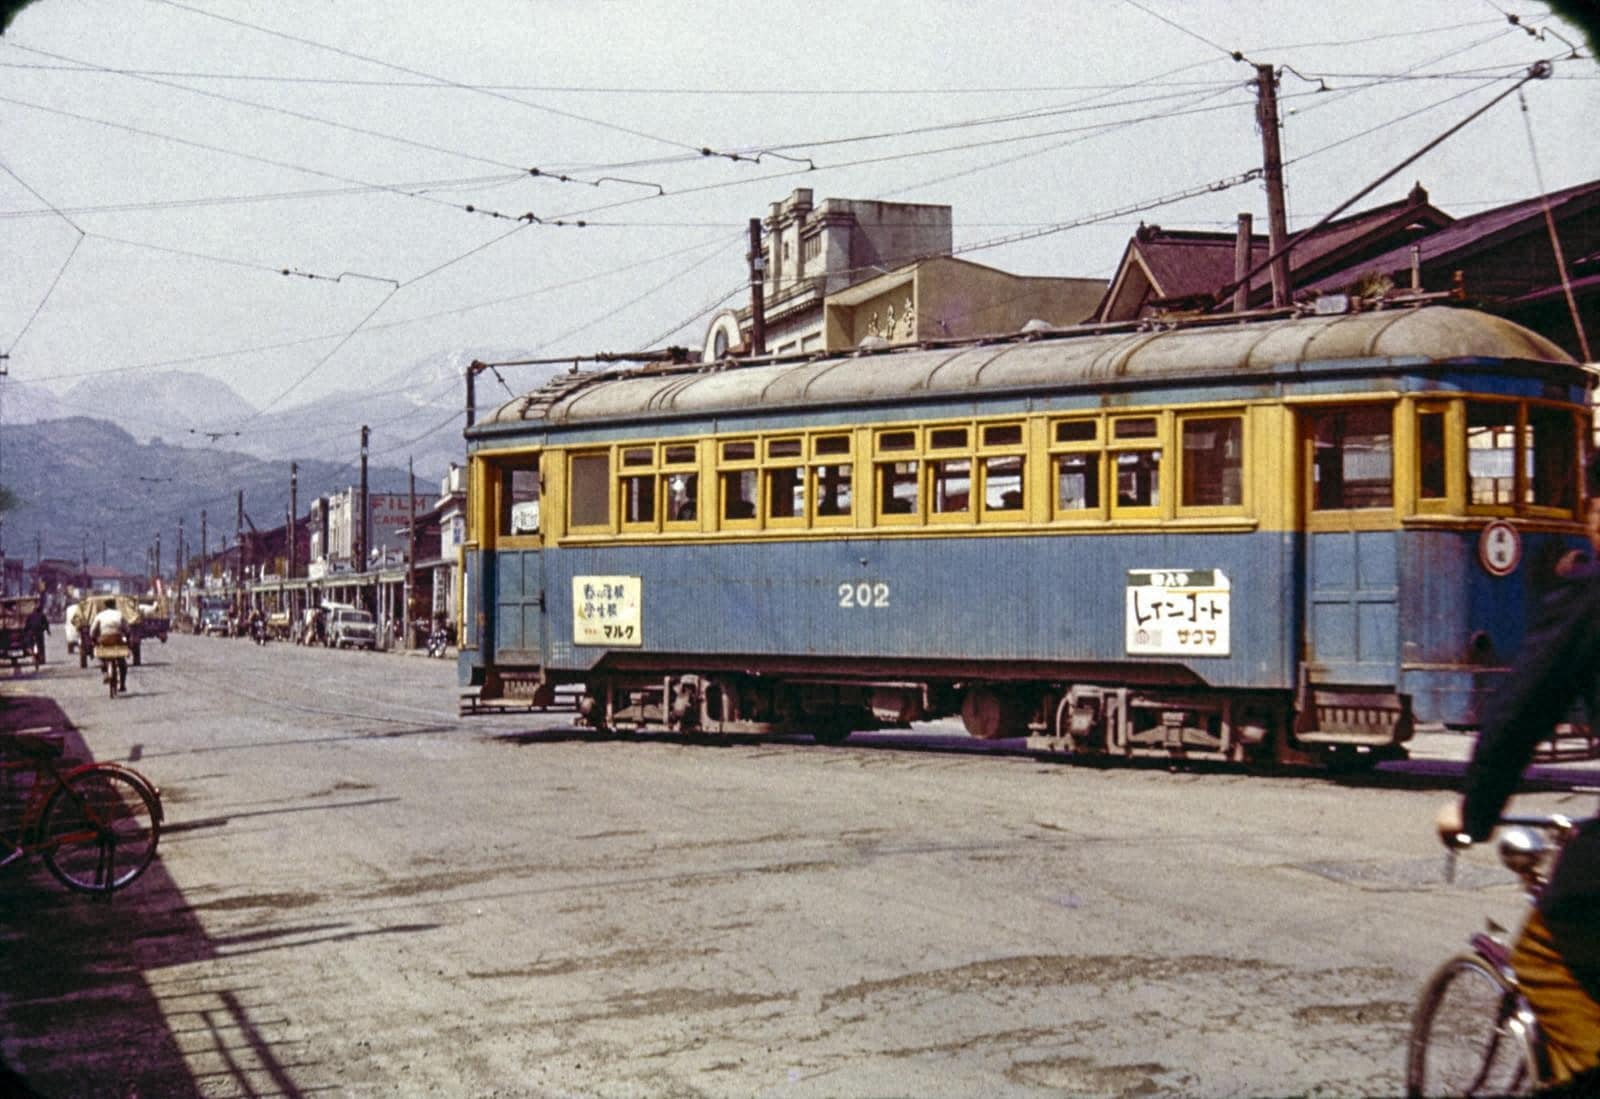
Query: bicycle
{"type": "Point", "coordinates": [1473, 1032]}
{"type": "Point", "coordinates": [95, 825]}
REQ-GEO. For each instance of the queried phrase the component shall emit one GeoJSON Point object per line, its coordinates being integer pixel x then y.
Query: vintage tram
{"type": "Point", "coordinates": [1282, 540]}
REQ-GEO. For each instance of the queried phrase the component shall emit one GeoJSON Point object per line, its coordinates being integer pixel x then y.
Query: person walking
{"type": "Point", "coordinates": [37, 625]}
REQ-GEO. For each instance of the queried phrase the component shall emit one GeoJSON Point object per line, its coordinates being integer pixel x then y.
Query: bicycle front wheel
{"type": "Point", "coordinates": [1470, 1034]}
{"type": "Point", "coordinates": [99, 830]}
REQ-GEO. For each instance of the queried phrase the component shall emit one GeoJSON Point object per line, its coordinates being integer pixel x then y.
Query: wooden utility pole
{"type": "Point", "coordinates": [411, 557]}
{"type": "Point", "coordinates": [294, 510]}
{"type": "Point", "coordinates": [361, 518]}
{"type": "Point", "coordinates": [1277, 220]}
{"type": "Point", "coordinates": [758, 311]}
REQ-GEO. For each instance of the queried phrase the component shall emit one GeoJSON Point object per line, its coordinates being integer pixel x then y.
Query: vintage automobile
{"type": "Point", "coordinates": [349, 627]}
{"type": "Point", "coordinates": [16, 643]}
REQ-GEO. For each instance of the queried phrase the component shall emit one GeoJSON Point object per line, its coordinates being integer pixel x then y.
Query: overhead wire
{"type": "Point", "coordinates": [419, 73]}
{"type": "Point", "coordinates": [270, 108]}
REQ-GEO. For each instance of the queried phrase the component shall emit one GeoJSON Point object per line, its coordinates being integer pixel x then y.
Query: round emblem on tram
{"type": "Point", "coordinates": [1500, 548]}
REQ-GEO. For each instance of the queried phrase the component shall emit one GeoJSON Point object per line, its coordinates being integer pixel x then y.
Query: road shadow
{"type": "Point", "coordinates": [82, 977]}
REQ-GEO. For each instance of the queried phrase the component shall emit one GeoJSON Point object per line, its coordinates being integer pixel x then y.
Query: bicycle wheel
{"type": "Point", "coordinates": [1470, 1034]}
{"type": "Point", "coordinates": [99, 830]}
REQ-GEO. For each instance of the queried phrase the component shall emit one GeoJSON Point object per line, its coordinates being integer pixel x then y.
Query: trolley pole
{"type": "Point", "coordinates": [1277, 220]}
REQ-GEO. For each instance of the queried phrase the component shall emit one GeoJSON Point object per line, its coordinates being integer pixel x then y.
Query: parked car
{"type": "Point", "coordinates": [351, 628]}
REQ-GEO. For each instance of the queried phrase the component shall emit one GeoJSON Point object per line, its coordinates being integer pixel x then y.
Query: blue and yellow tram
{"type": "Point", "coordinates": [1257, 541]}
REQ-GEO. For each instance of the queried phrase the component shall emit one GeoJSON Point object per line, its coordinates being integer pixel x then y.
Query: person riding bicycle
{"type": "Point", "coordinates": [110, 628]}
{"type": "Point", "coordinates": [1557, 956]}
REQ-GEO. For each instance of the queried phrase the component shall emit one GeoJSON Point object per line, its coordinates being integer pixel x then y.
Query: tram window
{"type": "Point", "coordinates": [897, 488]}
{"type": "Point", "coordinates": [1213, 462]}
{"type": "Point", "coordinates": [519, 500]}
{"type": "Point", "coordinates": [639, 499]}
{"type": "Point", "coordinates": [832, 489]}
{"type": "Point", "coordinates": [1138, 478]}
{"type": "Point", "coordinates": [1430, 456]}
{"type": "Point", "coordinates": [1003, 435]}
{"type": "Point", "coordinates": [589, 477]}
{"type": "Point", "coordinates": [1002, 483]}
{"type": "Point", "coordinates": [951, 485]}
{"type": "Point", "coordinates": [678, 455]}
{"type": "Point", "coordinates": [1077, 431]}
{"type": "Point", "coordinates": [1551, 461]}
{"type": "Point", "coordinates": [831, 444]}
{"type": "Point", "coordinates": [1078, 481]}
{"type": "Point", "coordinates": [739, 494]}
{"type": "Point", "coordinates": [783, 448]}
{"type": "Point", "coordinates": [1353, 466]}
{"type": "Point", "coordinates": [786, 492]}
{"type": "Point", "coordinates": [682, 497]}
{"type": "Point", "coordinates": [947, 438]}
{"type": "Point", "coordinates": [897, 440]}
{"type": "Point", "coordinates": [1142, 427]}
{"type": "Point", "coordinates": [638, 456]}
{"type": "Point", "coordinates": [1491, 452]}
{"type": "Point", "coordinates": [739, 452]}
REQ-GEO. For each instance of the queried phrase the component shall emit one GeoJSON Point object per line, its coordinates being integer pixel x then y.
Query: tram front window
{"type": "Point", "coordinates": [1353, 461]}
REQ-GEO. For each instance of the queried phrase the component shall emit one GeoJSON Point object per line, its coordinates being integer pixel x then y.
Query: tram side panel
{"type": "Point", "coordinates": [1190, 609]}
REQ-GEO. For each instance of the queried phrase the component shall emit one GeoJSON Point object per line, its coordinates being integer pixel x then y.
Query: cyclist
{"type": "Point", "coordinates": [110, 628]}
{"type": "Point", "coordinates": [1557, 955]}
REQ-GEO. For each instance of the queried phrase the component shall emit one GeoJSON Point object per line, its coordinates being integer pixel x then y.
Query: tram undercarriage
{"type": "Point", "coordinates": [1343, 727]}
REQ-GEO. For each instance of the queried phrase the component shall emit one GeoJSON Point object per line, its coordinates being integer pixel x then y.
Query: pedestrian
{"type": "Point", "coordinates": [38, 625]}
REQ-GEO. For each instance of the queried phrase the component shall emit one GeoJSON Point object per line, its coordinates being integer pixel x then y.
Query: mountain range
{"type": "Point", "coordinates": [120, 458]}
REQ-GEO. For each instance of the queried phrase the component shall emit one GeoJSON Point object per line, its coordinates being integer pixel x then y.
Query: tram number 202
{"type": "Point", "coordinates": [864, 594]}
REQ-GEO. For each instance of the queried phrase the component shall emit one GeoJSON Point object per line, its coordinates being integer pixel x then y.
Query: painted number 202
{"type": "Point", "coordinates": [864, 594]}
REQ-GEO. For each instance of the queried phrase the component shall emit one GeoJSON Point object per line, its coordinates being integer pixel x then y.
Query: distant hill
{"type": "Point", "coordinates": [149, 405]}
{"type": "Point", "coordinates": [416, 413]}
{"type": "Point", "coordinates": [80, 481]}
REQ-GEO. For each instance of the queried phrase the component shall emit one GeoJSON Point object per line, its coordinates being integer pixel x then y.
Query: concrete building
{"type": "Point", "coordinates": [947, 298]}
{"type": "Point", "coordinates": [843, 270]}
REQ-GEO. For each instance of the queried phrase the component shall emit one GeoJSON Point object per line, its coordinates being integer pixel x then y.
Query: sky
{"type": "Point", "coordinates": [164, 163]}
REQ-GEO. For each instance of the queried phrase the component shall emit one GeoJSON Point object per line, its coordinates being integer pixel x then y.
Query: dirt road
{"type": "Point", "coordinates": [361, 895]}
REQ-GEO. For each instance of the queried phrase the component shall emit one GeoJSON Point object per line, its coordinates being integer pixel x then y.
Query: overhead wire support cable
{"type": "Point", "coordinates": [286, 112]}
{"type": "Point", "coordinates": [60, 271]}
{"type": "Point", "coordinates": [1538, 71]}
{"type": "Point", "coordinates": [444, 81]}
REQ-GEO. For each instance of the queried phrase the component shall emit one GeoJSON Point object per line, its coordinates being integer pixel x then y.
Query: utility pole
{"type": "Point", "coordinates": [361, 520]}
{"type": "Point", "coordinates": [758, 313]}
{"type": "Point", "coordinates": [411, 554]}
{"type": "Point", "coordinates": [177, 558]}
{"type": "Point", "coordinates": [1277, 220]}
{"type": "Point", "coordinates": [238, 536]}
{"type": "Point", "coordinates": [157, 569]}
{"type": "Point", "coordinates": [294, 510]}
{"type": "Point", "coordinates": [205, 550]}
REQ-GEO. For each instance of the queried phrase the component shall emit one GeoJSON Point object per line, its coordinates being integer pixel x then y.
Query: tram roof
{"type": "Point", "coordinates": [1433, 335]}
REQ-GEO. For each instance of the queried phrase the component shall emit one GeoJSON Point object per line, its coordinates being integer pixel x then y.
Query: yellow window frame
{"type": "Point", "coordinates": [1160, 440]}
{"type": "Point", "coordinates": [1181, 457]}
{"type": "Point", "coordinates": [1094, 447]}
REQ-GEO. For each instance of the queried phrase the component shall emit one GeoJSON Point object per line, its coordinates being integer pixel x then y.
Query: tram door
{"type": "Point", "coordinates": [517, 566]}
{"type": "Point", "coordinates": [1351, 574]}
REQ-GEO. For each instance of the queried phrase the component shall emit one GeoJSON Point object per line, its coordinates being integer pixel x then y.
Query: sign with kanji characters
{"type": "Point", "coordinates": [1178, 612]}
{"type": "Point", "coordinates": [605, 611]}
